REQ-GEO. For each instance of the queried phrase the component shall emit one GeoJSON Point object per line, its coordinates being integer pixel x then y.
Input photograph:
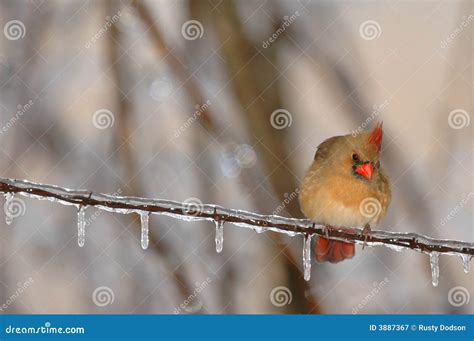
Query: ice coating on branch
{"type": "Point", "coordinates": [219, 235]}
{"type": "Point", "coordinates": [307, 257]}
{"type": "Point", "coordinates": [289, 226]}
{"type": "Point", "coordinates": [466, 263]}
{"type": "Point", "coordinates": [81, 226]}
{"type": "Point", "coordinates": [271, 222]}
{"type": "Point", "coordinates": [7, 208]}
{"type": "Point", "coordinates": [434, 262]}
{"type": "Point", "coordinates": [184, 217]}
{"type": "Point", "coordinates": [144, 218]}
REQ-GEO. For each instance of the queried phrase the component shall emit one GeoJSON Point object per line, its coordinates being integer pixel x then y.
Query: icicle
{"type": "Point", "coordinates": [219, 235]}
{"type": "Point", "coordinates": [258, 229]}
{"type": "Point", "coordinates": [434, 262]}
{"type": "Point", "coordinates": [144, 217]}
{"type": "Point", "coordinates": [81, 226]}
{"type": "Point", "coordinates": [466, 263]}
{"type": "Point", "coordinates": [8, 206]}
{"type": "Point", "coordinates": [307, 257]}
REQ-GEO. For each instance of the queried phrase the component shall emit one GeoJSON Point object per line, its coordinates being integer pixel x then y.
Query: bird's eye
{"type": "Point", "coordinates": [355, 157]}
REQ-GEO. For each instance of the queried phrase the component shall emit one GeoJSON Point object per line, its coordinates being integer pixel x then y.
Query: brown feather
{"type": "Point", "coordinates": [332, 195]}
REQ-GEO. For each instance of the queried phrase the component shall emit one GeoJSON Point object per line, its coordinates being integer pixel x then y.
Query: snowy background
{"type": "Point", "coordinates": [107, 96]}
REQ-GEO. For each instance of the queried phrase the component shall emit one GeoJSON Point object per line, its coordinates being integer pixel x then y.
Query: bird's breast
{"type": "Point", "coordinates": [340, 201]}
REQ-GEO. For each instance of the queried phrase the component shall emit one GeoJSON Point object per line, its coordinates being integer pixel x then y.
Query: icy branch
{"type": "Point", "coordinates": [221, 215]}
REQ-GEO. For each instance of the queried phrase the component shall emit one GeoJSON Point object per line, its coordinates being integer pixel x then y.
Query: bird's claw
{"type": "Point", "coordinates": [326, 231]}
{"type": "Point", "coordinates": [366, 233]}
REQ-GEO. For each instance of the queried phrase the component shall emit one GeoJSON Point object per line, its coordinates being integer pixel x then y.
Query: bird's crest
{"type": "Point", "coordinates": [376, 134]}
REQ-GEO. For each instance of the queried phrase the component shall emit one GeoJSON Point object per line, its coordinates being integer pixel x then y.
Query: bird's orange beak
{"type": "Point", "coordinates": [365, 170]}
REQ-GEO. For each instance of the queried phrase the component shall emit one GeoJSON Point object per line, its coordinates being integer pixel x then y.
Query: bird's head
{"type": "Point", "coordinates": [354, 155]}
{"type": "Point", "coordinates": [365, 152]}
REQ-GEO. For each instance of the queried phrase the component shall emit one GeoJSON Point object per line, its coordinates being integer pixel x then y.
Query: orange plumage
{"type": "Point", "coordinates": [345, 187]}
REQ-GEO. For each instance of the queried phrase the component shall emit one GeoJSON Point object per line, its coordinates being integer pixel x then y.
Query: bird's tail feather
{"type": "Point", "coordinates": [333, 251]}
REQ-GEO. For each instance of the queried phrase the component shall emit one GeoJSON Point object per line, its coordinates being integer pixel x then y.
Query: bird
{"type": "Point", "coordinates": [345, 187]}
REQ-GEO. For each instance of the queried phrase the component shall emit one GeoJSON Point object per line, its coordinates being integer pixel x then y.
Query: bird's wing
{"type": "Point", "coordinates": [386, 193]}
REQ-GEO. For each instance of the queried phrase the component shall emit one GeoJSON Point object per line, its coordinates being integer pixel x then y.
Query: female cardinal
{"type": "Point", "coordinates": [345, 187]}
